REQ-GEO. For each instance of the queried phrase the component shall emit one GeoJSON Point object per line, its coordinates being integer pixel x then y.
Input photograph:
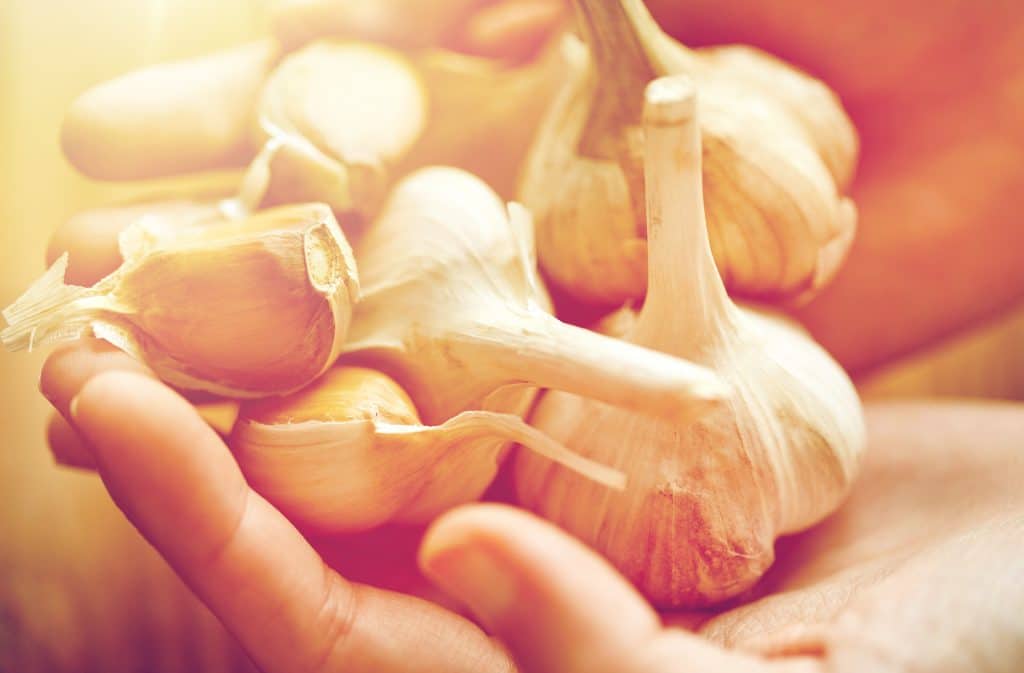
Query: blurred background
{"type": "Point", "coordinates": [931, 301]}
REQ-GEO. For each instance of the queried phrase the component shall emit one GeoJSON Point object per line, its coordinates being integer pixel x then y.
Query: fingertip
{"type": "Point", "coordinates": [70, 366]}
{"type": "Point", "coordinates": [67, 447]}
{"type": "Point", "coordinates": [462, 527]}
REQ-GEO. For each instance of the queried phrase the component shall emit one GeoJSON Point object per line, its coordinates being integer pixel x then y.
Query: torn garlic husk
{"type": "Point", "coordinates": [238, 307]}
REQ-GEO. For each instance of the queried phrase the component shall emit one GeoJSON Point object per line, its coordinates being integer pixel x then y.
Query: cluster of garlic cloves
{"type": "Point", "coordinates": [239, 307]}
{"type": "Point", "coordinates": [349, 453]}
{"type": "Point", "coordinates": [706, 498]}
{"type": "Point", "coordinates": [778, 152]}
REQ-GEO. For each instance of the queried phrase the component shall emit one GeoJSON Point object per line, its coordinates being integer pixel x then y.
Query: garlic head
{"type": "Point", "coordinates": [707, 497]}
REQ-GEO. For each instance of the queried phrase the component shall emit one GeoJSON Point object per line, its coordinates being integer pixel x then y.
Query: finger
{"type": "Point", "coordinates": [511, 29]}
{"type": "Point", "coordinates": [91, 237]}
{"type": "Point", "coordinates": [557, 605]}
{"type": "Point", "coordinates": [71, 365]}
{"type": "Point", "coordinates": [178, 483]}
{"type": "Point", "coordinates": [66, 444]}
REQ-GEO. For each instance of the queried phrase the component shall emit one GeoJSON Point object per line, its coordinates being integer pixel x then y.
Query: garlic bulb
{"type": "Point", "coordinates": [361, 104]}
{"type": "Point", "coordinates": [202, 109]}
{"type": "Point", "coordinates": [349, 453]}
{"type": "Point", "coordinates": [706, 499]}
{"type": "Point", "coordinates": [236, 307]}
{"type": "Point", "coordinates": [778, 150]}
{"type": "Point", "coordinates": [452, 309]}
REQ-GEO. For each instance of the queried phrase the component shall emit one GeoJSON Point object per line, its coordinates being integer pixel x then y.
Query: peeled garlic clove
{"type": "Point", "coordinates": [452, 309]}
{"type": "Point", "coordinates": [483, 112]}
{"type": "Point", "coordinates": [360, 104]}
{"type": "Point", "coordinates": [202, 108]}
{"type": "Point", "coordinates": [778, 149]}
{"type": "Point", "coordinates": [349, 453]}
{"type": "Point", "coordinates": [706, 498]}
{"type": "Point", "coordinates": [238, 308]}
{"type": "Point", "coordinates": [400, 23]}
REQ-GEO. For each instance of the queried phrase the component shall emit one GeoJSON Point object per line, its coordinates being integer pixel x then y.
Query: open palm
{"type": "Point", "coordinates": [919, 570]}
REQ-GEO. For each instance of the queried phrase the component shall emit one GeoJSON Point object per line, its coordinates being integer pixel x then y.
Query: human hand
{"type": "Point", "coordinates": [918, 571]}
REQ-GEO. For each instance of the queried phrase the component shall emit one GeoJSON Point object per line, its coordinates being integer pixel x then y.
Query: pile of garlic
{"type": "Point", "coordinates": [376, 304]}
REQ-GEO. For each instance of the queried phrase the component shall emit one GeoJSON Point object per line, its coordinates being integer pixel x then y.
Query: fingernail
{"type": "Point", "coordinates": [73, 409]}
{"type": "Point", "coordinates": [475, 578]}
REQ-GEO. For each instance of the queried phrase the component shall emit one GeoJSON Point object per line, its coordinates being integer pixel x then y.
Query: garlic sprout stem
{"type": "Point", "coordinates": [536, 348]}
{"type": "Point", "coordinates": [489, 424]}
{"type": "Point", "coordinates": [683, 282]}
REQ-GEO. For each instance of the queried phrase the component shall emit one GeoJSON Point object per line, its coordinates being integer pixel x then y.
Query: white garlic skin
{"type": "Point", "coordinates": [705, 501]}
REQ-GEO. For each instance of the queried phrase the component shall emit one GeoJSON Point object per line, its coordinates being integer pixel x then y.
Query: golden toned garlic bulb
{"type": "Point", "coordinates": [362, 105]}
{"type": "Point", "coordinates": [172, 118]}
{"type": "Point", "coordinates": [706, 498]}
{"type": "Point", "coordinates": [452, 309]}
{"type": "Point", "coordinates": [778, 151]}
{"type": "Point", "coordinates": [242, 308]}
{"type": "Point", "coordinates": [349, 453]}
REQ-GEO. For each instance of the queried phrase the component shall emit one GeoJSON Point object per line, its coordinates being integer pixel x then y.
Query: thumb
{"type": "Point", "coordinates": [557, 605]}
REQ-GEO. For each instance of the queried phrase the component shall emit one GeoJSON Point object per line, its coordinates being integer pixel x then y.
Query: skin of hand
{"type": "Point", "coordinates": [919, 571]}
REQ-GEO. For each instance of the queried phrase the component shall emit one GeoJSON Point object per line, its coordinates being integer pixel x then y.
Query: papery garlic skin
{"type": "Point", "coordinates": [706, 499]}
{"type": "Point", "coordinates": [203, 108]}
{"type": "Point", "coordinates": [778, 152]}
{"type": "Point", "coordinates": [241, 308]}
{"type": "Point", "coordinates": [453, 309]}
{"type": "Point", "coordinates": [349, 453]}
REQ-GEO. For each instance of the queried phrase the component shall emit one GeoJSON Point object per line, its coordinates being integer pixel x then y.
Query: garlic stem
{"type": "Point", "coordinates": [488, 424]}
{"type": "Point", "coordinates": [536, 348]}
{"type": "Point", "coordinates": [613, 29]}
{"type": "Point", "coordinates": [682, 280]}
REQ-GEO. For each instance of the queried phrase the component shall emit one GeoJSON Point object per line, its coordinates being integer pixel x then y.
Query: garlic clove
{"type": "Point", "coordinates": [290, 169]}
{"type": "Point", "coordinates": [240, 308]}
{"type": "Point", "coordinates": [778, 150]}
{"type": "Point", "coordinates": [452, 309]}
{"type": "Point", "coordinates": [360, 104]}
{"type": "Point", "coordinates": [349, 453]}
{"type": "Point", "coordinates": [706, 497]}
{"type": "Point", "coordinates": [202, 106]}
